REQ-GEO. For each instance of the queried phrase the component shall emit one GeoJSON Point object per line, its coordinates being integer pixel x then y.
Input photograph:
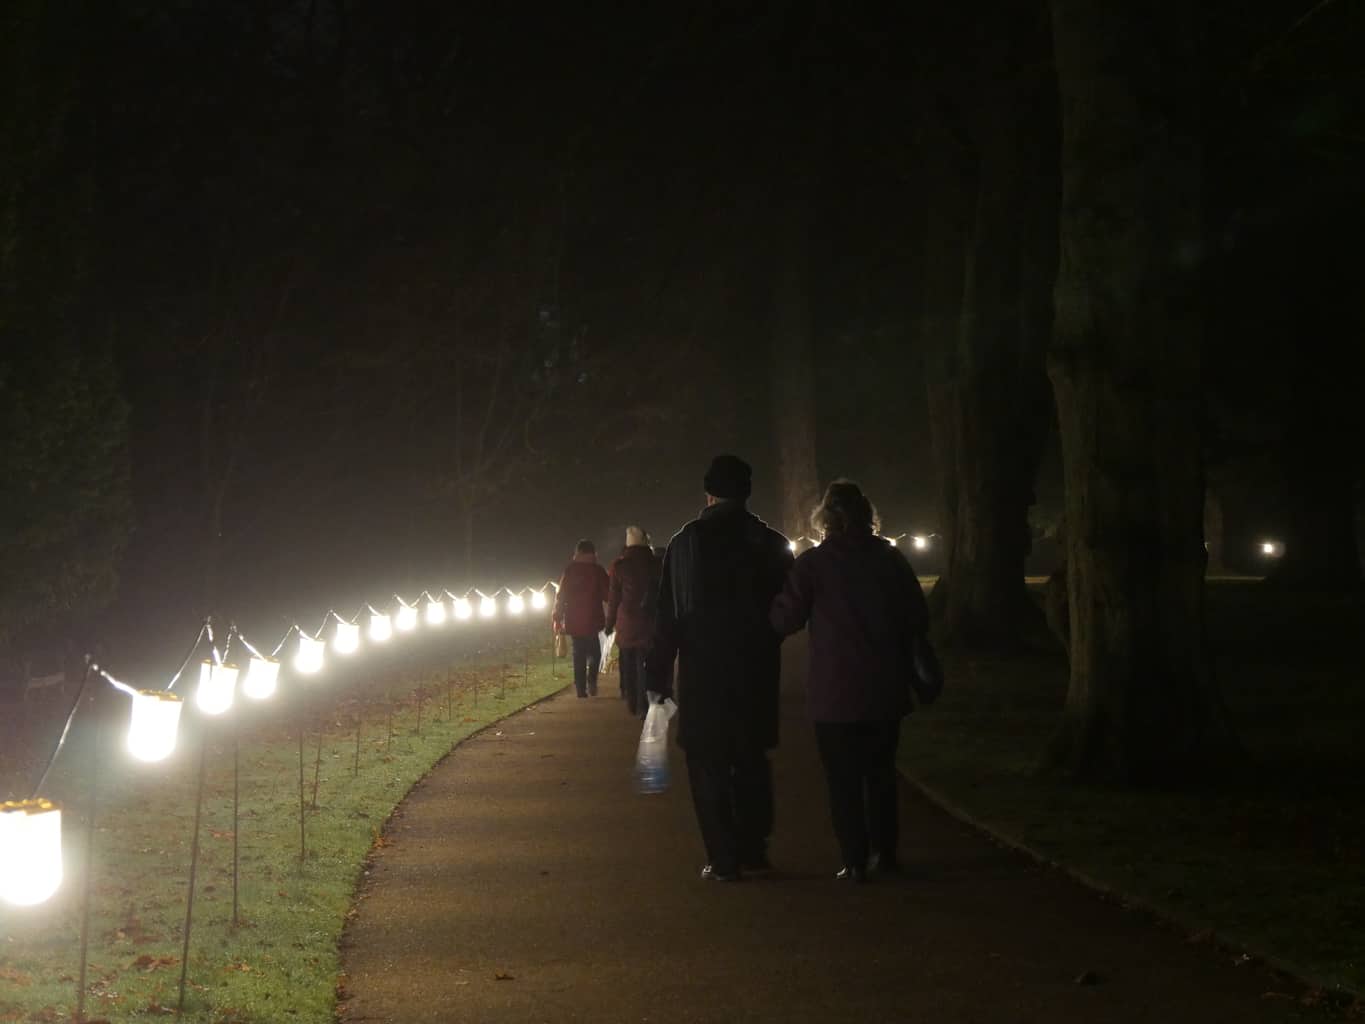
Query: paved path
{"type": "Point", "coordinates": [524, 881]}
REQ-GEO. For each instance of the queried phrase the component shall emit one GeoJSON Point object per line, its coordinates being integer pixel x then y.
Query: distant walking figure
{"type": "Point", "coordinates": [720, 575]}
{"type": "Point", "coordinates": [868, 623]}
{"type": "Point", "coordinates": [580, 611]}
{"type": "Point", "coordinates": [632, 604]}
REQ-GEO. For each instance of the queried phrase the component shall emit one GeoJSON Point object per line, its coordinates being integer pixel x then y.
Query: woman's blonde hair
{"type": "Point", "coordinates": [844, 509]}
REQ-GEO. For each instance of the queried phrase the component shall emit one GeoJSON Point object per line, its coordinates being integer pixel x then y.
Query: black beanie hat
{"type": "Point", "coordinates": [729, 478]}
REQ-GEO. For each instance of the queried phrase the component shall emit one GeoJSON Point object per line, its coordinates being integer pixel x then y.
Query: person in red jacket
{"type": "Point", "coordinates": [580, 611]}
{"type": "Point", "coordinates": [631, 604]}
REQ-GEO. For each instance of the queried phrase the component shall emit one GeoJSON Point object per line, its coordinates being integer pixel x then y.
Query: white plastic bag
{"type": "Point", "coordinates": [651, 758]}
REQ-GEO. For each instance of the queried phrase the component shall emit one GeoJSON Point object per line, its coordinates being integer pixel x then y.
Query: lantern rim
{"type": "Point", "coordinates": [37, 805]}
{"type": "Point", "coordinates": [166, 695]}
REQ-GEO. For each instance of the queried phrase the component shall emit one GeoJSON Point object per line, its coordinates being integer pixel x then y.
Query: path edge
{"type": "Point", "coordinates": [1335, 991]}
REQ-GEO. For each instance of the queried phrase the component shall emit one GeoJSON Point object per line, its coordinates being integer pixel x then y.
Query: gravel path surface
{"type": "Point", "coordinates": [523, 880]}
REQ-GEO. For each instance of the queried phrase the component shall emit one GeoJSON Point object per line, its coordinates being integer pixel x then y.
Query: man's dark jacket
{"type": "Point", "coordinates": [866, 613]}
{"type": "Point", "coordinates": [634, 597]}
{"type": "Point", "coordinates": [720, 575]}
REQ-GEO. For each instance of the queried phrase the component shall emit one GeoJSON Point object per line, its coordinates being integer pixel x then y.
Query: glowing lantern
{"type": "Point", "coordinates": [346, 640]}
{"type": "Point", "coordinates": [538, 600]}
{"type": "Point", "coordinates": [791, 546]}
{"type": "Point", "coordinates": [262, 676]}
{"type": "Point", "coordinates": [515, 605]}
{"type": "Point", "coordinates": [893, 542]}
{"type": "Point", "coordinates": [381, 628]}
{"type": "Point", "coordinates": [463, 609]}
{"type": "Point", "coordinates": [309, 658]}
{"type": "Point", "coordinates": [153, 725]}
{"type": "Point", "coordinates": [217, 684]}
{"type": "Point", "coordinates": [407, 618]}
{"type": "Point", "coordinates": [30, 851]}
{"type": "Point", "coordinates": [436, 612]}
{"type": "Point", "coordinates": [920, 542]}
{"type": "Point", "coordinates": [487, 607]}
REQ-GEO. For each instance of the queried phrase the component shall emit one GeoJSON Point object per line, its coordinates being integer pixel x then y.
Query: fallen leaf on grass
{"type": "Point", "coordinates": [150, 963]}
{"type": "Point", "coordinates": [238, 965]}
{"type": "Point", "coordinates": [17, 977]}
{"type": "Point", "coordinates": [221, 835]}
{"type": "Point", "coordinates": [503, 976]}
{"type": "Point", "coordinates": [157, 1008]}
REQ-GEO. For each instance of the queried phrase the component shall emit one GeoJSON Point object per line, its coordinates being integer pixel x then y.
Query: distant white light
{"type": "Point", "coordinates": [436, 612]}
{"type": "Point", "coordinates": [791, 546]}
{"type": "Point", "coordinates": [463, 609]}
{"type": "Point", "coordinates": [515, 605]}
{"type": "Point", "coordinates": [153, 724]}
{"type": "Point", "coordinates": [1268, 547]}
{"type": "Point", "coordinates": [407, 618]}
{"type": "Point", "coordinates": [308, 660]}
{"type": "Point", "coordinates": [30, 851]}
{"type": "Point", "coordinates": [893, 542]}
{"type": "Point", "coordinates": [920, 542]}
{"type": "Point", "coordinates": [488, 607]}
{"type": "Point", "coordinates": [539, 601]}
{"type": "Point", "coordinates": [262, 677]}
{"type": "Point", "coordinates": [347, 638]}
{"type": "Point", "coordinates": [217, 685]}
{"type": "Point", "coordinates": [381, 628]}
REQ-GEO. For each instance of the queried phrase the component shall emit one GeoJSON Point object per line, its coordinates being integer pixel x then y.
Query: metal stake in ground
{"type": "Point", "coordinates": [303, 835]}
{"type": "Point", "coordinates": [421, 696]}
{"type": "Point", "coordinates": [194, 868]}
{"type": "Point", "coordinates": [388, 741]}
{"type": "Point", "coordinates": [317, 764]}
{"type": "Point", "coordinates": [450, 686]}
{"type": "Point", "coordinates": [86, 880]}
{"type": "Point", "coordinates": [236, 772]}
{"type": "Point", "coordinates": [359, 721]}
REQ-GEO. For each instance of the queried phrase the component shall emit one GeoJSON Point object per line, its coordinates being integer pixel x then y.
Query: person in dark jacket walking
{"type": "Point", "coordinates": [868, 621]}
{"type": "Point", "coordinates": [632, 601]}
{"type": "Point", "coordinates": [580, 611]}
{"type": "Point", "coordinates": [720, 575]}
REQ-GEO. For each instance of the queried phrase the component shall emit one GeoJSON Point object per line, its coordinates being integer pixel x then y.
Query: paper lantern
{"type": "Point", "coordinates": [217, 685]}
{"type": "Point", "coordinates": [381, 628]}
{"type": "Point", "coordinates": [407, 618]}
{"type": "Point", "coordinates": [309, 658]}
{"type": "Point", "coordinates": [436, 612]}
{"type": "Point", "coordinates": [153, 724]}
{"type": "Point", "coordinates": [515, 605]}
{"type": "Point", "coordinates": [487, 607]}
{"type": "Point", "coordinates": [346, 640]}
{"type": "Point", "coordinates": [538, 600]}
{"type": "Point", "coordinates": [463, 609]}
{"type": "Point", "coordinates": [30, 851]}
{"type": "Point", "coordinates": [262, 677]}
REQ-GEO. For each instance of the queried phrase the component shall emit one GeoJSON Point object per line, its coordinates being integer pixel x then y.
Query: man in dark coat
{"type": "Point", "coordinates": [720, 575]}
{"type": "Point", "coordinates": [580, 611]}
{"type": "Point", "coordinates": [631, 606]}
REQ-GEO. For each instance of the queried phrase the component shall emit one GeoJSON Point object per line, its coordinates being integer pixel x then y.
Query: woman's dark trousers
{"type": "Point", "coordinates": [633, 679]}
{"type": "Point", "coordinates": [587, 658]}
{"type": "Point", "coordinates": [860, 769]}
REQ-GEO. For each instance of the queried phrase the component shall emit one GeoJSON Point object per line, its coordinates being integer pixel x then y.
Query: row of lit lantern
{"type": "Point", "coordinates": [31, 830]}
{"type": "Point", "coordinates": [918, 541]}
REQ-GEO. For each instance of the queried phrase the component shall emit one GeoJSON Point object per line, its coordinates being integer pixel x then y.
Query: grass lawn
{"type": "Point", "coordinates": [281, 964]}
{"type": "Point", "coordinates": [1272, 860]}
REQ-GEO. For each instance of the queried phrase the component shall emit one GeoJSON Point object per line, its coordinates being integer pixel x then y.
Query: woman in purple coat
{"type": "Point", "coordinates": [868, 621]}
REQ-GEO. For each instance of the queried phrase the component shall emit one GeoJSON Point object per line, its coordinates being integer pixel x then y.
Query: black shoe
{"type": "Point", "coordinates": [876, 865]}
{"type": "Point", "coordinates": [757, 866]}
{"type": "Point", "coordinates": [857, 876]}
{"type": "Point", "coordinates": [582, 695]}
{"type": "Point", "coordinates": [592, 692]}
{"type": "Point", "coordinates": [710, 874]}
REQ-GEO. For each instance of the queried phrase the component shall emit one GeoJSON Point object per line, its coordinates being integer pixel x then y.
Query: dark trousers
{"type": "Point", "coordinates": [860, 768]}
{"type": "Point", "coordinates": [633, 679]}
{"type": "Point", "coordinates": [587, 658]}
{"type": "Point", "coordinates": [732, 793]}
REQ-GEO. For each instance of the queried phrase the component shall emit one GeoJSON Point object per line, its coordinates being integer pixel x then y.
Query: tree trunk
{"type": "Point", "coordinates": [1126, 365]}
{"type": "Point", "coordinates": [793, 357]}
{"type": "Point", "coordinates": [997, 403]}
